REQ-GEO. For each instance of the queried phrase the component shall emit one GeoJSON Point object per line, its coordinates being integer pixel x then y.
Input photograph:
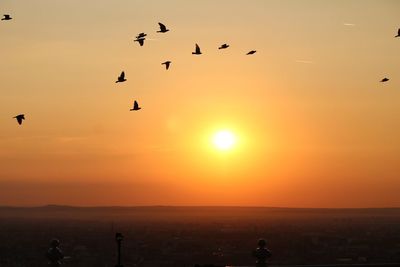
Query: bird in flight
{"type": "Point", "coordinates": [6, 17]}
{"type": "Point", "coordinates": [141, 35]}
{"type": "Point", "coordinates": [197, 51]}
{"type": "Point", "coordinates": [384, 80]}
{"type": "Point", "coordinates": [19, 118]}
{"type": "Point", "coordinates": [135, 106]}
{"type": "Point", "coordinates": [163, 29]}
{"type": "Point", "coordinates": [223, 46]}
{"type": "Point", "coordinates": [398, 33]}
{"type": "Point", "coordinates": [251, 52]}
{"type": "Point", "coordinates": [121, 78]}
{"type": "Point", "coordinates": [140, 40]}
{"type": "Point", "coordinates": [166, 63]}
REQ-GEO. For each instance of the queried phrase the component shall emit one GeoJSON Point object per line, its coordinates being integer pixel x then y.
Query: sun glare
{"type": "Point", "coordinates": [224, 140]}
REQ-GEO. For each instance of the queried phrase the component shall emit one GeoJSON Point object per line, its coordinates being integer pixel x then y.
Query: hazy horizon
{"type": "Point", "coordinates": [312, 124]}
{"type": "Point", "coordinates": [156, 206]}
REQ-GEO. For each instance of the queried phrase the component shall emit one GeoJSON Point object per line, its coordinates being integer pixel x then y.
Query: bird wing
{"type": "Point", "coordinates": [162, 26]}
{"type": "Point", "coordinates": [122, 76]}
{"type": "Point", "coordinates": [19, 119]}
{"type": "Point", "coordinates": [197, 48]}
{"type": "Point", "coordinates": [135, 105]}
{"type": "Point", "coordinates": [167, 64]}
{"type": "Point", "coordinates": [141, 41]}
{"type": "Point", "coordinates": [398, 32]}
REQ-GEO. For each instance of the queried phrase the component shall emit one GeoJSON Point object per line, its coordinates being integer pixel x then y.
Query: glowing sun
{"type": "Point", "coordinates": [224, 140]}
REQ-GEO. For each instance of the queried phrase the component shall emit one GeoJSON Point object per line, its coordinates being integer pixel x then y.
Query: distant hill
{"type": "Point", "coordinates": [188, 213]}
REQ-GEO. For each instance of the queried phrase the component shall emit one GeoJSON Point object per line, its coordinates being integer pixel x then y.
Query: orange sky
{"type": "Point", "coordinates": [315, 128]}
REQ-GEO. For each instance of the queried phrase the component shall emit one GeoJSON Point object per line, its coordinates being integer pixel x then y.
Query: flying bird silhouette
{"type": "Point", "coordinates": [166, 63]}
{"type": "Point", "coordinates": [135, 106]}
{"type": "Point", "coordinates": [398, 33]}
{"type": "Point", "coordinates": [197, 51]}
{"type": "Point", "coordinates": [140, 40]}
{"type": "Point", "coordinates": [163, 29]}
{"type": "Point", "coordinates": [223, 46]}
{"type": "Point", "coordinates": [19, 118]}
{"type": "Point", "coordinates": [141, 35]}
{"type": "Point", "coordinates": [251, 52]}
{"type": "Point", "coordinates": [384, 80]}
{"type": "Point", "coordinates": [121, 78]}
{"type": "Point", "coordinates": [6, 17]}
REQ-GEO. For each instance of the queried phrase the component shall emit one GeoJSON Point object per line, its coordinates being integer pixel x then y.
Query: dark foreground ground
{"type": "Point", "coordinates": [184, 236]}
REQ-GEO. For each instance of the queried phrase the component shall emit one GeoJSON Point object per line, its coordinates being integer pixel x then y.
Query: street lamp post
{"type": "Point", "coordinates": [118, 238]}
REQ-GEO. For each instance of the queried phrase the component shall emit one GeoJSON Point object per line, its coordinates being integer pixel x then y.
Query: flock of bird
{"type": "Point", "coordinates": [387, 79]}
{"type": "Point", "coordinates": [140, 38]}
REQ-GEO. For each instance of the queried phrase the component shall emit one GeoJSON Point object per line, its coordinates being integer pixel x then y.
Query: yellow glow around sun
{"type": "Point", "coordinates": [224, 140]}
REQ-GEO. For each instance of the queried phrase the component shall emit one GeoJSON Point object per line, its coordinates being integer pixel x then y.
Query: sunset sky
{"type": "Point", "coordinates": [313, 126]}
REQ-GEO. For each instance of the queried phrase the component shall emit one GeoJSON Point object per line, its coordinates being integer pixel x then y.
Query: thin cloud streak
{"type": "Point", "coordinates": [305, 61]}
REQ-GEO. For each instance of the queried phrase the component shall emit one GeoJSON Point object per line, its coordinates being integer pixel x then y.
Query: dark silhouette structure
{"type": "Point", "coordinates": [384, 80]}
{"type": "Point", "coordinates": [197, 51]}
{"type": "Point", "coordinates": [19, 118]}
{"type": "Point", "coordinates": [121, 78]}
{"type": "Point", "coordinates": [140, 40]}
{"type": "Point", "coordinates": [251, 52]}
{"type": "Point", "coordinates": [119, 237]}
{"type": "Point", "coordinates": [261, 253]}
{"type": "Point", "coordinates": [166, 63]}
{"type": "Point", "coordinates": [54, 254]}
{"type": "Point", "coordinates": [224, 46]}
{"type": "Point", "coordinates": [398, 33]}
{"type": "Point", "coordinates": [6, 17]}
{"type": "Point", "coordinates": [163, 29]}
{"type": "Point", "coordinates": [135, 106]}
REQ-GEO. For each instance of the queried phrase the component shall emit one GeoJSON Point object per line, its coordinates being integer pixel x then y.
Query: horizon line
{"type": "Point", "coordinates": [194, 206]}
